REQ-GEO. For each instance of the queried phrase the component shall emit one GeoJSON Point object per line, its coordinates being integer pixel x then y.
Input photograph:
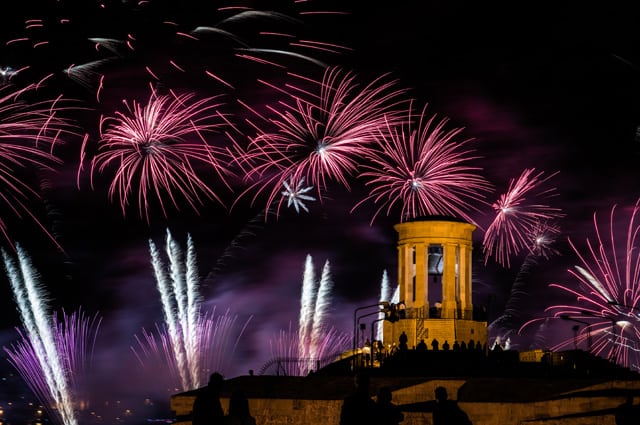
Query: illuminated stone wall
{"type": "Point", "coordinates": [562, 402]}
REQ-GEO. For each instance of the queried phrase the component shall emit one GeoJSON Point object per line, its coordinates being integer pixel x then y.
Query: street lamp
{"type": "Point", "coordinates": [575, 329]}
{"type": "Point", "coordinates": [385, 307]}
{"type": "Point", "coordinates": [373, 344]}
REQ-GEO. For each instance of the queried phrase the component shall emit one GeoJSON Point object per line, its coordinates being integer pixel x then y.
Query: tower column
{"type": "Point", "coordinates": [449, 302]}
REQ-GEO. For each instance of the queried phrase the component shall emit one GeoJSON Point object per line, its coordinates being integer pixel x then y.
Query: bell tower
{"type": "Point", "coordinates": [435, 283]}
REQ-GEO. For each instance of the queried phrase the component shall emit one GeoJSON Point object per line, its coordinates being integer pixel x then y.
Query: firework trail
{"type": "Point", "coordinates": [52, 354]}
{"type": "Point", "coordinates": [321, 309]}
{"type": "Point", "coordinates": [314, 339]}
{"type": "Point", "coordinates": [541, 246]}
{"type": "Point", "coordinates": [153, 148]}
{"type": "Point", "coordinates": [607, 292]}
{"type": "Point", "coordinates": [29, 133]}
{"type": "Point", "coordinates": [519, 214]}
{"type": "Point", "coordinates": [178, 297]}
{"type": "Point", "coordinates": [322, 139]}
{"type": "Point", "coordinates": [160, 42]}
{"type": "Point", "coordinates": [511, 318]}
{"type": "Point", "coordinates": [192, 342]}
{"type": "Point", "coordinates": [422, 167]}
{"type": "Point", "coordinates": [307, 307]}
{"type": "Point", "coordinates": [385, 295]}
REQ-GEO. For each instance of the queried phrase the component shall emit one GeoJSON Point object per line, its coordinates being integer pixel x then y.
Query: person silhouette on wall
{"type": "Point", "coordinates": [447, 412]}
{"type": "Point", "coordinates": [404, 339]}
{"type": "Point", "coordinates": [388, 412]}
{"type": "Point", "coordinates": [422, 346]}
{"type": "Point", "coordinates": [359, 408]}
{"type": "Point", "coordinates": [627, 413]}
{"type": "Point", "coordinates": [239, 412]}
{"type": "Point", "coordinates": [435, 344]}
{"type": "Point", "coordinates": [207, 409]}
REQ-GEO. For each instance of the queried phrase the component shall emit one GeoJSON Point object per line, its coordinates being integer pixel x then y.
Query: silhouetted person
{"type": "Point", "coordinates": [627, 413]}
{"type": "Point", "coordinates": [435, 344]}
{"type": "Point", "coordinates": [456, 345]}
{"type": "Point", "coordinates": [422, 346]}
{"type": "Point", "coordinates": [239, 413]}
{"type": "Point", "coordinates": [445, 345]}
{"type": "Point", "coordinates": [359, 408]}
{"type": "Point", "coordinates": [447, 412]}
{"type": "Point", "coordinates": [207, 409]}
{"type": "Point", "coordinates": [404, 339]}
{"type": "Point", "coordinates": [388, 412]}
{"type": "Point", "coordinates": [379, 350]}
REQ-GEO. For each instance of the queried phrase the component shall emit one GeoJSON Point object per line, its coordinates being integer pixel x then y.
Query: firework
{"type": "Point", "coordinates": [152, 151]}
{"type": "Point", "coordinates": [422, 168]}
{"type": "Point", "coordinates": [607, 292]}
{"type": "Point", "coordinates": [52, 355]}
{"type": "Point", "coordinates": [385, 295]}
{"type": "Point", "coordinates": [296, 194]}
{"type": "Point", "coordinates": [320, 140]}
{"type": "Point", "coordinates": [314, 343]}
{"type": "Point", "coordinates": [521, 218]}
{"type": "Point", "coordinates": [29, 133]}
{"type": "Point", "coordinates": [192, 343]}
{"type": "Point", "coordinates": [157, 42]}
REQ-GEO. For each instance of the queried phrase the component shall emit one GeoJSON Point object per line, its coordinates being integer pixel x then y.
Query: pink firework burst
{"type": "Point", "coordinates": [29, 132]}
{"type": "Point", "coordinates": [321, 140]}
{"type": "Point", "coordinates": [151, 151]}
{"type": "Point", "coordinates": [424, 169]}
{"type": "Point", "coordinates": [519, 216]}
{"type": "Point", "coordinates": [607, 293]}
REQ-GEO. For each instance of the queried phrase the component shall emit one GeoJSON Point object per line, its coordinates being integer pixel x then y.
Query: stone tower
{"type": "Point", "coordinates": [435, 285]}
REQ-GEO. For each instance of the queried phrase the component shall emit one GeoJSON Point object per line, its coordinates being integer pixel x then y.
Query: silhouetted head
{"type": "Point", "coordinates": [215, 381]}
{"type": "Point", "coordinates": [384, 395]}
{"type": "Point", "coordinates": [441, 394]}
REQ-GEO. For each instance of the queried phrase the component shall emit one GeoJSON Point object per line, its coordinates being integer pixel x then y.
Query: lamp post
{"type": "Point", "coordinates": [575, 330]}
{"type": "Point", "coordinates": [385, 307]}
{"type": "Point", "coordinates": [373, 345]}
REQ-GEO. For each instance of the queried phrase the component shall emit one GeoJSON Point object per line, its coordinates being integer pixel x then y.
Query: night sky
{"type": "Point", "coordinates": [553, 88]}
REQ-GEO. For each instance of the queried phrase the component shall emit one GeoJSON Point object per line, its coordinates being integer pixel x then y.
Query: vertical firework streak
{"type": "Point", "coordinates": [298, 352]}
{"type": "Point", "coordinates": [192, 343]}
{"type": "Point", "coordinates": [385, 295]}
{"type": "Point", "coordinates": [322, 304]}
{"type": "Point", "coordinates": [51, 353]}
{"type": "Point", "coordinates": [177, 304]}
{"type": "Point", "coordinates": [307, 308]}
{"type": "Point", "coordinates": [607, 293]}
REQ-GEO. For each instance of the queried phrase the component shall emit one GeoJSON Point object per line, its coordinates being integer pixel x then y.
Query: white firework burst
{"type": "Point", "coordinates": [295, 192]}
